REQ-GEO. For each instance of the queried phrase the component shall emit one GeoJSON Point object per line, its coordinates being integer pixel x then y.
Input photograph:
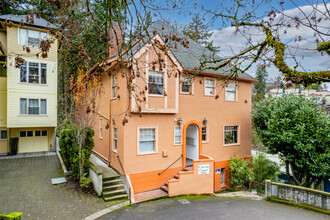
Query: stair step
{"type": "Point", "coordinates": [111, 182]}
{"type": "Point", "coordinates": [115, 197]}
{"type": "Point", "coordinates": [113, 187]}
{"type": "Point", "coordinates": [164, 188]}
{"type": "Point", "coordinates": [107, 178]}
{"type": "Point", "coordinates": [176, 176]}
{"type": "Point", "coordinates": [188, 169]}
{"type": "Point", "coordinates": [114, 193]}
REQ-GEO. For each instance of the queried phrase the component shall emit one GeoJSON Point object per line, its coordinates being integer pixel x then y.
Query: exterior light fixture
{"type": "Point", "coordinates": [204, 121]}
{"type": "Point", "coordinates": [180, 121]}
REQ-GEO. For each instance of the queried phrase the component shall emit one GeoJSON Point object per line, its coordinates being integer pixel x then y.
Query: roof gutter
{"type": "Point", "coordinates": [203, 73]}
{"type": "Point", "coordinates": [27, 24]}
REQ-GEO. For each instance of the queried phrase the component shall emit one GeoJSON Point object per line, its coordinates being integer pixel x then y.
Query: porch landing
{"type": "Point", "coordinates": [102, 167]}
{"type": "Point", "coordinates": [149, 195]}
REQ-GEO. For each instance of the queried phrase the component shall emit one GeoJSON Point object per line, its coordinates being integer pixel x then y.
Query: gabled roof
{"type": "Point", "coordinates": [38, 22]}
{"type": "Point", "coordinates": [189, 57]}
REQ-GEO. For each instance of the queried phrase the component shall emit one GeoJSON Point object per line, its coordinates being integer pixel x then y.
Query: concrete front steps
{"type": "Point", "coordinates": [113, 188]}
{"type": "Point", "coordinates": [165, 187]}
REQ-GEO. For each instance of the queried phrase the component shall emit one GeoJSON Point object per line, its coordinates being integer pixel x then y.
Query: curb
{"type": "Point", "coordinates": [106, 211]}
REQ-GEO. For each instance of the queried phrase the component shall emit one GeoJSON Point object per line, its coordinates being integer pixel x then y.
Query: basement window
{"type": "Point", "coordinates": [3, 135]}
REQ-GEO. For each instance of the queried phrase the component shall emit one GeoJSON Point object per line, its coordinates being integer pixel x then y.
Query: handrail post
{"type": "Point", "coordinates": [129, 187]}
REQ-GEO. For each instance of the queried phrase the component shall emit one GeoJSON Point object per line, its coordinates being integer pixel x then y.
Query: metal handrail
{"type": "Point", "coordinates": [171, 164]}
{"type": "Point", "coordinates": [129, 187]}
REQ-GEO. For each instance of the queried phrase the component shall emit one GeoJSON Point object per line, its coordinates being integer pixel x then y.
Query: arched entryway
{"type": "Point", "coordinates": [192, 134]}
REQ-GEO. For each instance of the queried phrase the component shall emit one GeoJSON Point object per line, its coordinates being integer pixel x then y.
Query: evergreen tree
{"type": "Point", "coordinates": [260, 86]}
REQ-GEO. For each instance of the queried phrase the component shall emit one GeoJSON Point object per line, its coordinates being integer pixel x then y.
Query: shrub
{"type": "Point", "coordinates": [13, 142]}
{"type": "Point", "coordinates": [12, 216]}
{"type": "Point", "coordinates": [240, 172]}
{"type": "Point", "coordinates": [85, 182]}
{"type": "Point", "coordinates": [264, 169]}
{"type": "Point", "coordinates": [70, 149]}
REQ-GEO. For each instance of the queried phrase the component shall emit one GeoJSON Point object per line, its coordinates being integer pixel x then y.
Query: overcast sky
{"type": "Point", "coordinates": [224, 35]}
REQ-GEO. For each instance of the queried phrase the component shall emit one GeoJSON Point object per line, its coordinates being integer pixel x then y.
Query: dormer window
{"type": "Point", "coordinates": [155, 85]}
{"type": "Point", "coordinates": [31, 37]}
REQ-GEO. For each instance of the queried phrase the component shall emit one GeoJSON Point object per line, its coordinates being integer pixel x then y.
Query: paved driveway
{"type": "Point", "coordinates": [25, 186]}
{"type": "Point", "coordinates": [213, 208]}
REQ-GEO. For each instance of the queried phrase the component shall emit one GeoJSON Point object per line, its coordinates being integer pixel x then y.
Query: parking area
{"type": "Point", "coordinates": [25, 186]}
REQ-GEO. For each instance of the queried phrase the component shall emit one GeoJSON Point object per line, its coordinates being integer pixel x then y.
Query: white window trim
{"type": "Point", "coordinates": [7, 134]}
{"type": "Point", "coordinates": [207, 134]}
{"type": "Point", "coordinates": [238, 135]}
{"type": "Point", "coordinates": [192, 86]}
{"type": "Point", "coordinates": [27, 107]}
{"type": "Point", "coordinates": [156, 95]}
{"type": "Point", "coordinates": [175, 143]}
{"type": "Point", "coordinates": [138, 140]}
{"type": "Point", "coordinates": [113, 85]}
{"type": "Point", "coordinates": [113, 139]}
{"type": "Point", "coordinates": [28, 71]}
{"type": "Point", "coordinates": [214, 85]}
{"type": "Point", "coordinates": [101, 129]}
{"type": "Point", "coordinates": [18, 39]}
{"type": "Point", "coordinates": [236, 94]}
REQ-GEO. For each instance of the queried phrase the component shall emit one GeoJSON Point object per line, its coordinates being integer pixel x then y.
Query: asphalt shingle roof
{"type": "Point", "coordinates": [38, 22]}
{"type": "Point", "coordinates": [189, 57]}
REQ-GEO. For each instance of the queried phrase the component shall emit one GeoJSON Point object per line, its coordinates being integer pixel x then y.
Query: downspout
{"type": "Point", "coordinates": [110, 125]}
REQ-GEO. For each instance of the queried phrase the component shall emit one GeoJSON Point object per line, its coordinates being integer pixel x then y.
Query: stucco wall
{"type": "Point", "coordinates": [193, 182]}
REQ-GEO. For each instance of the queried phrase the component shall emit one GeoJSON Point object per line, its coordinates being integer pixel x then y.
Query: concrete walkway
{"type": "Point", "coordinates": [213, 208]}
{"type": "Point", "coordinates": [25, 186]}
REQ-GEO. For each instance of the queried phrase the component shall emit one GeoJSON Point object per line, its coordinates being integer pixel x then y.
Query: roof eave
{"type": "Point", "coordinates": [203, 73]}
{"type": "Point", "coordinates": [25, 24]}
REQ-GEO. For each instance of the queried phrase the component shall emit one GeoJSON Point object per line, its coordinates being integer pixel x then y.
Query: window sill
{"type": "Point", "coordinates": [113, 98]}
{"type": "Point", "coordinates": [209, 95]}
{"type": "Point", "coordinates": [115, 151]}
{"type": "Point", "coordinates": [205, 142]}
{"type": "Point", "coordinates": [35, 84]}
{"type": "Point", "coordinates": [186, 93]}
{"type": "Point", "coordinates": [178, 144]}
{"type": "Point", "coordinates": [32, 115]}
{"type": "Point", "coordinates": [230, 100]}
{"type": "Point", "coordinates": [229, 145]}
{"type": "Point", "coordinates": [101, 138]}
{"type": "Point", "coordinates": [3, 139]}
{"type": "Point", "coordinates": [146, 153]}
{"type": "Point", "coordinates": [154, 95]}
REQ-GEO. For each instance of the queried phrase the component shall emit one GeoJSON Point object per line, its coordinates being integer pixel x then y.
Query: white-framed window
{"type": "Point", "coordinates": [231, 135]}
{"type": "Point", "coordinates": [209, 87]}
{"type": "Point", "coordinates": [115, 140]}
{"type": "Point", "coordinates": [31, 37]}
{"type": "Point", "coordinates": [156, 83]}
{"type": "Point", "coordinates": [114, 86]}
{"type": "Point", "coordinates": [31, 106]}
{"type": "Point", "coordinates": [231, 91]}
{"type": "Point", "coordinates": [147, 140]}
{"type": "Point", "coordinates": [32, 72]}
{"type": "Point", "coordinates": [101, 128]}
{"type": "Point", "coordinates": [177, 135]}
{"type": "Point", "coordinates": [186, 84]}
{"type": "Point", "coordinates": [223, 171]}
{"type": "Point", "coordinates": [3, 134]}
{"type": "Point", "coordinates": [204, 133]}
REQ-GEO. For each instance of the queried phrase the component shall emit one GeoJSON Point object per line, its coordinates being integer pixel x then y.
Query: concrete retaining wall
{"type": "Point", "coordinates": [96, 177]}
{"type": "Point", "coordinates": [299, 194]}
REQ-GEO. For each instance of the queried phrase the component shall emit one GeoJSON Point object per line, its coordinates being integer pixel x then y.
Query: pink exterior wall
{"type": "Point", "coordinates": [195, 106]}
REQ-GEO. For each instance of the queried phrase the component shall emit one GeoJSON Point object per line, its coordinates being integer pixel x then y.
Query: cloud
{"type": "Point", "coordinates": [232, 41]}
